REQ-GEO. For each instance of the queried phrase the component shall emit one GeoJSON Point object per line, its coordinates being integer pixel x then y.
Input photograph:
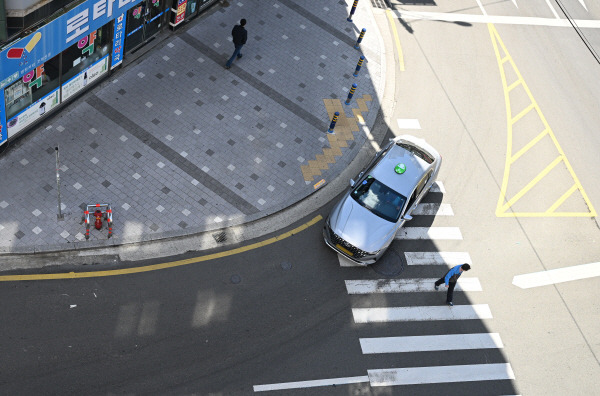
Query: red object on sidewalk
{"type": "Point", "coordinates": [98, 223]}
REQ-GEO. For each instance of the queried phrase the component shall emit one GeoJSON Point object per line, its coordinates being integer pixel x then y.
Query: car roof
{"type": "Point", "coordinates": [403, 183]}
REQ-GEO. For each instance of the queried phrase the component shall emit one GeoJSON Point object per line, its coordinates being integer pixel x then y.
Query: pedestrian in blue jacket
{"type": "Point", "coordinates": [240, 35]}
{"type": "Point", "coordinates": [450, 280]}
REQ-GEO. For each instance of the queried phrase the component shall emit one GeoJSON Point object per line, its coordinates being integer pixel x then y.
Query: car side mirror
{"type": "Point", "coordinates": [407, 217]}
{"type": "Point", "coordinates": [352, 182]}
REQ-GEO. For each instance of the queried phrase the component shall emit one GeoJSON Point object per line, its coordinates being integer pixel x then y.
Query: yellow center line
{"type": "Point", "coordinates": [160, 266]}
{"type": "Point", "coordinates": [396, 38]}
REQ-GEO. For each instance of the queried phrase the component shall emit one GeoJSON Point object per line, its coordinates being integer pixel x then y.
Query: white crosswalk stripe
{"type": "Point", "coordinates": [437, 258]}
{"type": "Point", "coordinates": [438, 187]}
{"type": "Point", "coordinates": [421, 313]}
{"type": "Point", "coordinates": [441, 374]}
{"type": "Point", "coordinates": [368, 286]}
{"type": "Point", "coordinates": [444, 342]}
{"type": "Point", "coordinates": [428, 343]}
{"type": "Point", "coordinates": [433, 209]}
{"type": "Point", "coordinates": [346, 262]}
{"type": "Point", "coordinates": [448, 233]}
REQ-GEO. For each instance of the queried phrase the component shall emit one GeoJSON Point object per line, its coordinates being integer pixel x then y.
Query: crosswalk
{"type": "Point", "coordinates": [436, 263]}
{"type": "Point", "coordinates": [431, 316]}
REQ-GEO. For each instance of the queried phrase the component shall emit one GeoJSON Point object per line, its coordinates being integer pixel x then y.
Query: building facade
{"type": "Point", "coordinates": [48, 62]}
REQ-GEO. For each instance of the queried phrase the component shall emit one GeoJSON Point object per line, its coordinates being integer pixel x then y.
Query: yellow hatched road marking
{"type": "Point", "coordinates": [502, 207]}
{"type": "Point", "coordinates": [533, 182]}
{"type": "Point", "coordinates": [562, 199]}
{"type": "Point", "coordinates": [161, 266]}
{"type": "Point", "coordinates": [528, 146]}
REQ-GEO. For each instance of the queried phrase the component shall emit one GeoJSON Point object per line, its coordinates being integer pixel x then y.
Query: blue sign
{"type": "Point", "coordinates": [3, 131]}
{"type": "Point", "coordinates": [118, 41]}
{"type": "Point", "coordinates": [53, 38]}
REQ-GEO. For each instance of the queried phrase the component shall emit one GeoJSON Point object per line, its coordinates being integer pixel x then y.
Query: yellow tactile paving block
{"type": "Point", "coordinates": [362, 105]}
{"type": "Point", "coordinates": [345, 126]}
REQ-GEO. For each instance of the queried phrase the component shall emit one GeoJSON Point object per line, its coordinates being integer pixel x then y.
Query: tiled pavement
{"type": "Point", "coordinates": [178, 145]}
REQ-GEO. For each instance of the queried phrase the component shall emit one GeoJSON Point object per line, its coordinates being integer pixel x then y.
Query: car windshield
{"type": "Point", "coordinates": [379, 199]}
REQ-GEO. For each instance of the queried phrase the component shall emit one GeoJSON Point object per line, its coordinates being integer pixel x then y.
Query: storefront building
{"type": "Point", "coordinates": [68, 54]}
{"type": "Point", "coordinates": [184, 10]}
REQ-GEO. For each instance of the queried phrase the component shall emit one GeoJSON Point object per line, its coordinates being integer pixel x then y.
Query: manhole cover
{"type": "Point", "coordinates": [235, 279]}
{"type": "Point", "coordinates": [390, 264]}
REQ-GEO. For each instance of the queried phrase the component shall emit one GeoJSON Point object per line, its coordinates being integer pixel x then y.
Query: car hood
{"type": "Point", "coordinates": [359, 227]}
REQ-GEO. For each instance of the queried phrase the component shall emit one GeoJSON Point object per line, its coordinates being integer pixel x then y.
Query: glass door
{"type": "Point", "coordinates": [154, 17]}
{"type": "Point", "coordinates": [143, 21]}
{"type": "Point", "coordinates": [134, 29]}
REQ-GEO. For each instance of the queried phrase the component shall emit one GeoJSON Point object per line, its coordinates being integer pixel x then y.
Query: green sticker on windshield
{"type": "Point", "coordinates": [400, 169]}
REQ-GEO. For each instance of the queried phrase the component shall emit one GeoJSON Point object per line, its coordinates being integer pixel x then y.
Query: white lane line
{"type": "Point", "coordinates": [372, 286]}
{"type": "Point", "coordinates": [583, 4]}
{"type": "Point", "coordinates": [438, 186]}
{"type": "Point", "coordinates": [433, 209]}
{"type": "Point", "coordinates": [424, 313]}
{"type": "Point", "coordinates": [346, 262]}
{"type": "Point", "coordinates": [508, 20]}
{"type": "Point", "coordinates": [445, 342]}
{"type": "Point", "coordinates": [408, 123]}
{"type": "Point", "coordinates": [311, 384]}
{"type": "Point", "coordinates": [560, 275]}
{"type": "Point", "coordinates": [441, 374]}
{"type": "Point", "coordinates": [437, 258]}
{"type": "Point", "coordinates": [481, 8]}
{"type": "Point", "coordinates": [429, 233]}
{"type": "Point", "coordinates": [552, 9]}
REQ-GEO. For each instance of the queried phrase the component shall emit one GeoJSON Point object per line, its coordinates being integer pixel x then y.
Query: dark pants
{"type": "Point", "coordinates": [450, 287]}
{"type": "Point", "coordinates": [237, 52]}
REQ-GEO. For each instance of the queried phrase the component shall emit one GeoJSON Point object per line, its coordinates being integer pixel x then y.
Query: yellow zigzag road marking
{"type": "Point", "coordinates": [155, 267]}
{"type": "Point", "coordinates": [503, 206]}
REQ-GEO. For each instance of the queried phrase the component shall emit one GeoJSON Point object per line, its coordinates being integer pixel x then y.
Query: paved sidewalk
{"type": "Point", "coordinates": [178, 145]}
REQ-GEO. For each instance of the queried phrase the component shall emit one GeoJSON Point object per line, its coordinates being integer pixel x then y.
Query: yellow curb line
{"type": "Point", "coordinates": [396, 39]}
{"type": "Point", "coordinates": [161, 266]}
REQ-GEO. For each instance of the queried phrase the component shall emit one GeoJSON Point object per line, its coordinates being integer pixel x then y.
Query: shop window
{"type": "Point", "coordinates": [85, 53]}
{"type": "Point", "coordinates": [32, 87]}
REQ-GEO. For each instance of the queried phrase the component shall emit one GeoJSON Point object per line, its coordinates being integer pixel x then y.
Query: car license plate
{"type": "Point", "coordinates": [343, 249]}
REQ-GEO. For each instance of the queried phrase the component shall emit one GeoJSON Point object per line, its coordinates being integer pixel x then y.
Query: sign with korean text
{"type": "Point", "coordinates": [118, 41]}
{"type": "Point", "coordinates": [57, 35]}
{"type": "Point", "coordinates": [181, 5]}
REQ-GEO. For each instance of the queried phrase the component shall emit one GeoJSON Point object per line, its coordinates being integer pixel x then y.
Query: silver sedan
{"type": "Point", "coordinates": [363, 224]}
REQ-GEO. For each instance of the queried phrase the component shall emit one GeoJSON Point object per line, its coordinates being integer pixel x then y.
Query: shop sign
{"type": "Point", "coordinates": [118, 41]}
{"type": "Point", "coordinates": [53, 38]}
{"type": "Point", "coordinates": [84, 78]}
{"type": "Point", "coordinates": [181, 5]}
{"type": "Point", "coordinates": [3, 131]}
{"type": "Point", "coordinates": [32, 113]}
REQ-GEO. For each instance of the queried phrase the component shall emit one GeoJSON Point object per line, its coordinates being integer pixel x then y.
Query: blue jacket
{"type": "Point", "coordinates": [453, 274]}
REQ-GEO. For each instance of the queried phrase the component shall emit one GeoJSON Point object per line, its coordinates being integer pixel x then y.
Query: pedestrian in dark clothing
{"type": "Point", "coordinates": [450, 280]}
{"type": "Point", "coordinates": [240, 35]}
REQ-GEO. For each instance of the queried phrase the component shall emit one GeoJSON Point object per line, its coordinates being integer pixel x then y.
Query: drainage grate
{"type": "Point", "coordinates": [220, 237]}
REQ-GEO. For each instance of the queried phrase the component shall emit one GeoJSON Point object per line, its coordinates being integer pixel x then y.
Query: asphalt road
{"type": "Point", "coordinates": [282, 313]}
{"type": "Point", "coordinates": [274, 314]}
{"type": "Point", "coordinates": [453, 85]}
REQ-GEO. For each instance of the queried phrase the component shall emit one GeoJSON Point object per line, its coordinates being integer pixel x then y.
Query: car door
{"type": "Point", "coordinates": [417, 195]}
